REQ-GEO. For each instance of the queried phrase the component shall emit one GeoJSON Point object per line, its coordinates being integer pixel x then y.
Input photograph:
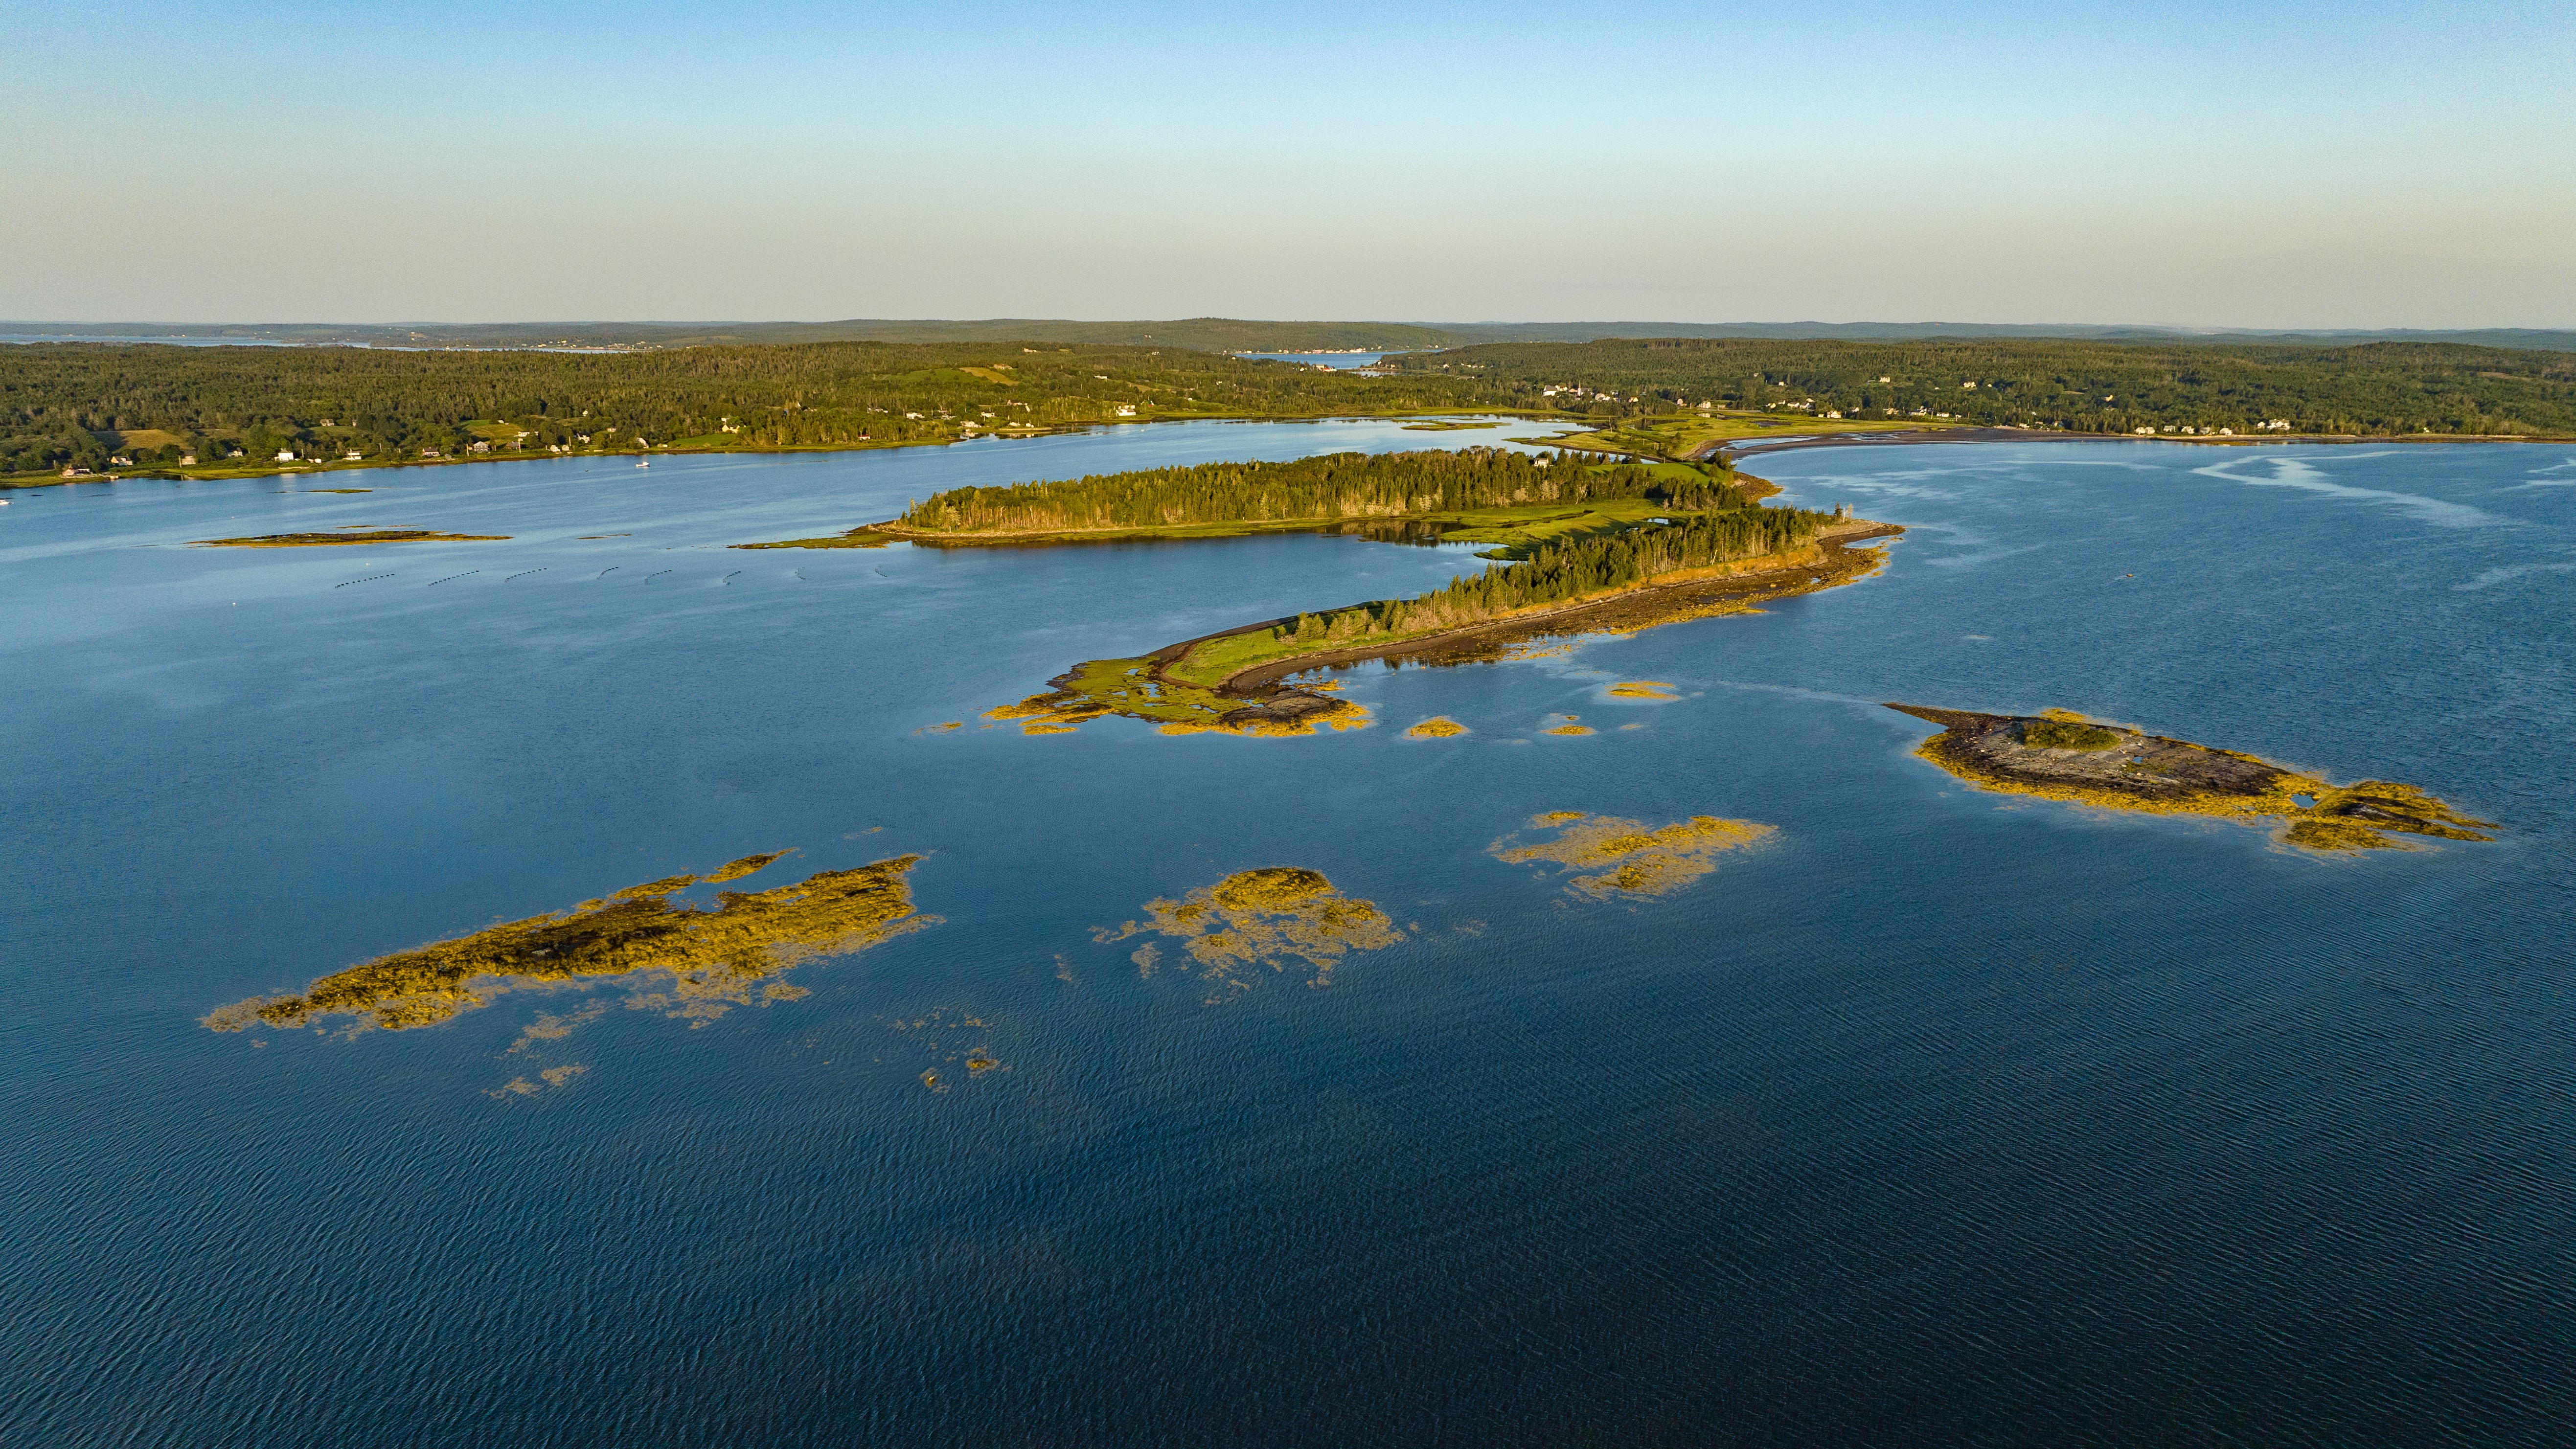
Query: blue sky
{"type": "Point", "coordinates": [2248, 165]}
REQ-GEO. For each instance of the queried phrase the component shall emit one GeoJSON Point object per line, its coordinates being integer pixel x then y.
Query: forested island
{"type": "Point", "coordinates": [1467, 495]}
{"type": "Point", "coordinates": [94, 409]}
{"type": "Point", "coordinates": [1589, 545]}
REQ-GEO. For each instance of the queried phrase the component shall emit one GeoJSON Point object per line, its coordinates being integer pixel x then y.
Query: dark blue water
{"type": "Point", "coordinates": [1944, 1117]}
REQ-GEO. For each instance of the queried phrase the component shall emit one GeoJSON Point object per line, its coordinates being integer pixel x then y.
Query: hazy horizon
{"type": "Point", "coordinates": [2354, 168]}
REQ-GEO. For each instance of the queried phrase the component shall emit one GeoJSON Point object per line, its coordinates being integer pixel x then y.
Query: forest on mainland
{"type": "Point", "coordinates": [88, 406]}
{"type": "Point", "coordinates": [2378, 388]}
{"type": "Point", "coordinates": [84, 405]}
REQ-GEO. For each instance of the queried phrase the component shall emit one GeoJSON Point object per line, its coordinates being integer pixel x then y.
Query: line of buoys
{"type": "Point", "coordinates": [434, 583]}
{"type": "Point", "coordinates": [369, 579]}
{"type": "Point", "coordinates": [648, 578]}
{"type": "Point", "coordinates": [523, 573]}
{"type": "Point", "coordinates": [603, 573]}
{"type": "Point", "coordinates": [729, 577]}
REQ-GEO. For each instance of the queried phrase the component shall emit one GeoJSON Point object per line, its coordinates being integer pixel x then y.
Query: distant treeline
{"type": "Point", "coordinates": [1335, 485]}
{"type": "Point", "coordinates": [1563, 571]}
{"type": "Point", "coordinates": [2084, 386]}
{"type": "Point", "coordinates": [79, 405]}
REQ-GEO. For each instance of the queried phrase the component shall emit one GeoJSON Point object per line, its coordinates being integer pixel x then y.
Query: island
{"type": "Point", "coordinates": [1586, 546]}
{"type": "Point", "coordinates": [2061, 755]}
{"type": "Point", "coordinates": [1240, 681]}
{"type": "Point", "coordinates": [345, 539]}
{"type": "Point", "coordinates": [713, 955]}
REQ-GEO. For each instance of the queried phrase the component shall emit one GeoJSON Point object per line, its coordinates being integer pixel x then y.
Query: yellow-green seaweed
{"type": "Point", "coordinates": [1640, 860]}
{"type": "Point", "coordinates": [1438, 727]}
{"type": "Point", "coordinates": [714, 957]}
{"type": "Point", "coordinates": [1264, 917]}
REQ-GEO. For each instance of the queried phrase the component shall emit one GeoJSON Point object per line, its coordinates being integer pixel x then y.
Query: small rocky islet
{"type": "Point", "coordinates": [2061, 755]}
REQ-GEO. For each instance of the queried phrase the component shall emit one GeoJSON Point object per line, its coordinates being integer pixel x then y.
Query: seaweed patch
{"type": "Point", "coordinates": [1627, 856]}
{"type": "Point", "coordinates": [1270, 917]}
{"type": "Point", "coordinates": [713, 958]}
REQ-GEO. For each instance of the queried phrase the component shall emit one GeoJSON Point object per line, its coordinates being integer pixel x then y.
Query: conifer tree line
{"type": "Point", "coordinates": [80, 404]}
{"type": "Point", "coordinates": [1566, 570]}
{"type": "Point", "coordinates": [1334, 485]}
{"type": "Point", "coordinates": [2378, 388]}
{"type": "Point", "coordinates": [84, 404]}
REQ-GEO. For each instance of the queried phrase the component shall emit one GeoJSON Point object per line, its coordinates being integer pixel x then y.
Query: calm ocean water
{"type": "Point", "coordinates": [1942, 1117]}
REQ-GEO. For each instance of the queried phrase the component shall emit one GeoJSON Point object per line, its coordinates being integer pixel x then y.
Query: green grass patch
{"type": "Point", "coordinates": [2067, 734]}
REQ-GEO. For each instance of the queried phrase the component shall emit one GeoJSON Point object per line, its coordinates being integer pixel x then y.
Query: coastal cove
{"type": "Point", "coordinates": [1641, 989]}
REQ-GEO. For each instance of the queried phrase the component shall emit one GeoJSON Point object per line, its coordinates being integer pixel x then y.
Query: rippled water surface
{"type": "Point", "coordinates": [1936, 1116]}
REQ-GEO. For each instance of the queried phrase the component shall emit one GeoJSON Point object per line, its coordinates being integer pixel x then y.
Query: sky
{"type": "Point", "coordinates": [2191, 164]}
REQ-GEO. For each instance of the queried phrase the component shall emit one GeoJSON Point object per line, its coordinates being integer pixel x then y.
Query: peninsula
{"type": "Point", "coordinates": [1589, 545]}
{"type": "Point", "coordinates": [2061, 755]}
